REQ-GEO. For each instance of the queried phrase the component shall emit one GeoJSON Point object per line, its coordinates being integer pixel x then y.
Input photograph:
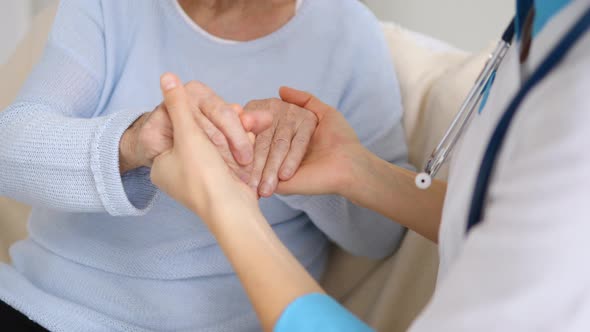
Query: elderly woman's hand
{"type": "Point", "coordinates": [152, 133]}
{"type": "Point", "coordinates": [278, 151]}
{"type": "Point", "coordinates": [192, 170]}
{"type": "Point", "coordinates": [335, 154]}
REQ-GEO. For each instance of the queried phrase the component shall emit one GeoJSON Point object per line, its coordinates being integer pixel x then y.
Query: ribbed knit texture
{"type": "Point", "coordinates": [107, 252]}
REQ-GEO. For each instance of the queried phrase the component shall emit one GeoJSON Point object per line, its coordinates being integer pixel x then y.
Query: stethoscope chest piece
{"type": "Point", "coordinates": [423, 181]}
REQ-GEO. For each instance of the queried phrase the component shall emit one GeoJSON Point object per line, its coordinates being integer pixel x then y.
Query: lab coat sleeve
{"type": "Point", "coordinates": [318, 312]}
{"type": "Point", "coordinates": [55, 151]}
{"type": "Point", "coordinates": [372, 105]}
{"type": "Point", "coordinates": [525, 267]}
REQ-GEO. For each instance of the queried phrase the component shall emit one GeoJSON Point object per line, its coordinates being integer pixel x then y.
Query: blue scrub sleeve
{"type": "Point", "coordinates": [318, 312]}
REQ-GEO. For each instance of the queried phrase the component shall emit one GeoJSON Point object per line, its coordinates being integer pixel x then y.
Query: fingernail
{"type": "Point", "coordinates": [266, 189]}
{"type": "Point", "coordinates": [287, 172]}
{"type": "Point", "coordinates": [246, 156]}
{"type": "Point", "coordinates": [168, 82]}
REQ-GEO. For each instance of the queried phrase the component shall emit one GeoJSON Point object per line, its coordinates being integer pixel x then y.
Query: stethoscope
{"type": "Point", "coordinates": [459, 124]}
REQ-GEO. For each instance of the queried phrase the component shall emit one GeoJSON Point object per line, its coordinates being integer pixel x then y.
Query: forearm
{"type": "Point", "coordinates": [271, 275]}
{"type": "Point", "coordinates": [65, 163]}
{"type": "Point", "coordinates": [391, 191]}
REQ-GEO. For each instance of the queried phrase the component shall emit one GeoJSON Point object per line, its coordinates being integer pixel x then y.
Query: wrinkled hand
{"type": "Point", "coordinates": [192, 170]}
{"type": "Point", "coordinates": [147, 137]}
{"type": "Point", "coordinates": [334, 151]}
{"type": "Point", "coordinates": [279, 150]}
{"type": "Point", "coordinates": [225, 125]}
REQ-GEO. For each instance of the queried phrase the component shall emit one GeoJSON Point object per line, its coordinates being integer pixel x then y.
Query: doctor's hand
{"type": "Point", "coordinates": [192, 171]}
{"type": "Point", "coordinates": [334, 153]}
{"type": "Point", "coordinates": [223, 123]}
{"type": "Point", "coordinates": [279, 150]}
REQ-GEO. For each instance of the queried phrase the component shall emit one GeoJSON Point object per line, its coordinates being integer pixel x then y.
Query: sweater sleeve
{"type": "Point", "coordinates": [55, 149]}
{"type": "Point", "coordinates": [372, 105]}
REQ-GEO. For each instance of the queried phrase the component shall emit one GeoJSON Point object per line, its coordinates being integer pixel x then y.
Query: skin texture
{"type": "Point", "coordinates": [280, 149]}
{"type": "Point", "coordinates": [239, 20]}
{"type": "Point", "coordinates": [151, 134]}
{"type": "Point", "coordinates": [336, 163]}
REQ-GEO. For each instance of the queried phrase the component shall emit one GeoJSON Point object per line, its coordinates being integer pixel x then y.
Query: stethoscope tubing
{"type": "Point", "coordinates": [461, 120]}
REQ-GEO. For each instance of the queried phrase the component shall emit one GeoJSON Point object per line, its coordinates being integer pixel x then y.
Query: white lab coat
{"type": "Point", "coordinates": [526, 266]}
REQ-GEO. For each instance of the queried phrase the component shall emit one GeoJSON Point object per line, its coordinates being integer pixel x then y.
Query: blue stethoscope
{"type": "Point", "coordinates": [442, 152]}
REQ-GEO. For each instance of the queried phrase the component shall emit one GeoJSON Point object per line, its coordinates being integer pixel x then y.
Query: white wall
{"type": "Point", "coordinates": [15, 17]}
{"type": "Point", "coordinates": [468, 24]}
{"type": "Point", "coordinates": [14, 21]}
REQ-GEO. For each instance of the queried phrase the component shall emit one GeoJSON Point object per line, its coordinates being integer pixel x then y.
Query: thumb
{"type": "Point", "coordinates": [305, 182]}
{"type": "Point", "coordinates": [305, 100]}
{"type": "Point", "coordinates": [177, 105]}
{"type": "Point", "coordinates": [256, 121]}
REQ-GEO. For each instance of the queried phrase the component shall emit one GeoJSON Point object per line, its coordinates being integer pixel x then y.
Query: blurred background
{"type": "Point", "coordinates": [467, 24]}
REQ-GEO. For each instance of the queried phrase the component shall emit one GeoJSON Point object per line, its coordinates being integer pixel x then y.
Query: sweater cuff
{"type": "Point", "coordinates": [113, 189]}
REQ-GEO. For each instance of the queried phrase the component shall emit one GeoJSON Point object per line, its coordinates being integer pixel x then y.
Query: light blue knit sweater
{"type": "Point", "coordinates": [107, 253]}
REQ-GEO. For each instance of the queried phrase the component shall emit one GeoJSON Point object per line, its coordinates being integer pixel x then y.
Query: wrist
{"type": "Point", "coordinates": [217, 201]}
{"type": "Point", "coordinates": [127, 160]}
{"type": "Point", "coordinates": [360, 175]}
{"type": "Point", "coordinates": [233, 211]}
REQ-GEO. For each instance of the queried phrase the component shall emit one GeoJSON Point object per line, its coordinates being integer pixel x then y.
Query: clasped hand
{"type": "Point", "coordinates": [194, 173]}
{"type": "Point", "coordinates": [262, 143]}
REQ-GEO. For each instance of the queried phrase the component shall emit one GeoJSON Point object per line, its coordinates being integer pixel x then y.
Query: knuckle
{"type": "Point", "coordinates": [301, 140]}
{"type": "Point", "coordinates": [309, 116]}
{"type": "Point", "coordinates": [147, 131]}
{"type": "Point", "coordinates": [250, 104]}
{"type": "Point", "coordinates": [218, 139]}
{"type": "Point", "coordinates": [256, 102]}
{"type": "Point", "coordinates": [236, 108]}
{"type": "Point", "coordinates": [281, 143]}
{"type": "Point", "coordinates": [265, 135]}
{"type": "Point", "coordinates": [210, 130]}
{"type": "Point", "coordinates": [159, 108]}
{"type": "Point", "coordinates": [253, 105]}
{"type": "Point", "coordinates": [275, 103]}
{"type": "Point", "coordinates": [289, 123]}
{"type": "Point", "coordinates": [226, 111]}
{"type": "Point", "coordinates": [263, 146]}
{"type": "Point", "coordinates": [143, 139]}
{"type": "Point", "coordinates": [224, 116]}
